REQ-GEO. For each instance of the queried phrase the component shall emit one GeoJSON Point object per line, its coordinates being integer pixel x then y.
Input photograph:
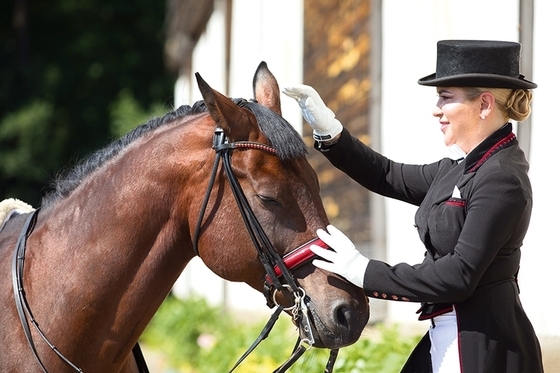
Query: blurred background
{"type": "Point", "coordinates": [76, 75]}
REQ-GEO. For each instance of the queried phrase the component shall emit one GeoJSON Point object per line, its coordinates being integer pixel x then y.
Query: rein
{"type": "Point", "coordinates": [23, 309]}
{"type": "Point", "coordinates": [275, 266]}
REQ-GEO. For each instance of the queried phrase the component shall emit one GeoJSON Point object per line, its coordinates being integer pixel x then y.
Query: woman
{"type": "Point", "coordinates": [473, 213]}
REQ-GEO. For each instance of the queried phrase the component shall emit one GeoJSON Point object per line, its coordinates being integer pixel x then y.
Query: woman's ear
{"type": "Point", "coordinates": [487, 104]}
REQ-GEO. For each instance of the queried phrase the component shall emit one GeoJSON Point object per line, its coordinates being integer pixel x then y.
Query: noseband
{"type": "Point", "coordinates": [275, 266]}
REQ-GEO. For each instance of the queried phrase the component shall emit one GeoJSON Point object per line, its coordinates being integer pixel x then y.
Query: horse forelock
{"type": "Point", "coordinates": [282, 136]}
{"type": "Point", "coordinates": [279, 132]}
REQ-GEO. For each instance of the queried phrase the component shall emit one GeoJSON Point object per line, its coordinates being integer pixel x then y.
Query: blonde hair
{"type": "Point", "coordinates": [513, 103]}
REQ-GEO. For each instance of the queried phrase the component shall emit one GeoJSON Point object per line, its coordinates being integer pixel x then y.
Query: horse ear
{"type": "Point", "coordinates": [235, 121]}
{"type": "Point", "coordinates": [265, 88]}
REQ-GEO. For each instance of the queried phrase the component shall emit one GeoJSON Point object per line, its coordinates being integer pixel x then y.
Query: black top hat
{"type": "Point", "coordinates": [477, 63]}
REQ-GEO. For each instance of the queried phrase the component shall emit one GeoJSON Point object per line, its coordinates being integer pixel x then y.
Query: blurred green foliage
{"type": "Point", "coordinates": [74, 75]}
{"type": "Point", "coordinates": [194, 337]}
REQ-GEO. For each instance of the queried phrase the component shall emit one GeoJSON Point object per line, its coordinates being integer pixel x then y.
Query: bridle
{"type": "Point", "coordinates": [276, 268]}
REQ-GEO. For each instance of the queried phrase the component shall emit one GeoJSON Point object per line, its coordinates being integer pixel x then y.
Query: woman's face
{"type": "Point", "coordinates": [459, 118]}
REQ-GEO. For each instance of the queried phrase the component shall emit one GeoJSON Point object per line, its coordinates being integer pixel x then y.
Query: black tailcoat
{"type": "Point", "coordinates": [472, 239]}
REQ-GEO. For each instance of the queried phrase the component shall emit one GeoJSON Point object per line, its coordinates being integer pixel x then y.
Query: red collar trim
{"type": "Point", "coordinates": [499, 145]}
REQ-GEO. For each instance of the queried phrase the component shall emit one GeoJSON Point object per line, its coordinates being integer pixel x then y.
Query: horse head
{"type": "Point", "coordinates": [282, 192]}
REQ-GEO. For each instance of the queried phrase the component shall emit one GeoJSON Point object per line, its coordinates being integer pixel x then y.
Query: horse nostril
{"type": "Point", "coordinates": [343, 315]}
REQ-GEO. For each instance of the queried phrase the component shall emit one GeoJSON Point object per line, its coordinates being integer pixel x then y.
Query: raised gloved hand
{"type": "Point", "coordinates": [345, 260]}
{"type": "Point", "coordinates": [315, 112]}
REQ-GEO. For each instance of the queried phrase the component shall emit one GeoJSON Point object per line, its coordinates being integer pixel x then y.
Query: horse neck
{"type": "Point", "coordinates": [110, 252]}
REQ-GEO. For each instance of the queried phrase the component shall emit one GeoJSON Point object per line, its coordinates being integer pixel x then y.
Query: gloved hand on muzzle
{"type": "Point", "coordinates": [345, 260]}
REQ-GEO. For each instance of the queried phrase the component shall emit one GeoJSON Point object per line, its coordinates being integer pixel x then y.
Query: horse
{"type": "Point", "coordinates": [82, 275]}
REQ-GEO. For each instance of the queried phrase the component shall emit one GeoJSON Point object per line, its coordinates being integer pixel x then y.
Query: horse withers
{"type": "Point", "coordinates": [224, 179]}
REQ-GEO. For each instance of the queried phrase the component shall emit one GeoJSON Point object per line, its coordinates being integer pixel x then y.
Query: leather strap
{"type": "Point", "coordinates": [262, 336]}
{"type": "Point", "coordinates": [22, 306]}
{"type": "Point", "coordinates": [17, 281]}
{"type": "Point", "coordinates": [139, 358]}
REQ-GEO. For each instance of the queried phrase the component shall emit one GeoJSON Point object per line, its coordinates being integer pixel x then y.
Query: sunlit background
{"type": "Point", "coordinates": [75, 75]}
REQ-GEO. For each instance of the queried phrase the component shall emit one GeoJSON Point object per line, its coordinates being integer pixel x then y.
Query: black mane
{"type": "Point", "coordinates": [282, 136]}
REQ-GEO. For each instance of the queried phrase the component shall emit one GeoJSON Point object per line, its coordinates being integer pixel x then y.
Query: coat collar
{"type": "Point", "coordinates": [492, 144]}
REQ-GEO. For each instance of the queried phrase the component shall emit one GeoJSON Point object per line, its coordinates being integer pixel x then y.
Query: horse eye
{"type": "Point", "coordinates": [268, 200]}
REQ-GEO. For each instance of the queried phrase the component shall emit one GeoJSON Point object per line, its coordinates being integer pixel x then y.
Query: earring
{"type": "Point", "coordinates": [483, 117]}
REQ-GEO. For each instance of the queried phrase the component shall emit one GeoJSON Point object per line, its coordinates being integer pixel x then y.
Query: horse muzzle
{"type": "Point", "coordinates": [340, 325]}
{"type": "Point", "coordinates": [325, 318]}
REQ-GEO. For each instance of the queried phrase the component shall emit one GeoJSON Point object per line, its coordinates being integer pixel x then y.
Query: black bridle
{"type": "Point", "coordinates": [267, 255]}
{"type": "Point", "coordinates": [276, 268]}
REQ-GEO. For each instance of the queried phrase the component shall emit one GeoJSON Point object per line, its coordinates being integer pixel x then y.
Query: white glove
{"type": "Point", "coordinates": [345, 260]}
{"type": "Point", "coordinates": [315, 112]}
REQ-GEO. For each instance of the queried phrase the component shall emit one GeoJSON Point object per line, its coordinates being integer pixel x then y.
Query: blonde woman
{"type": "Point", "coordinates": [473, 213]}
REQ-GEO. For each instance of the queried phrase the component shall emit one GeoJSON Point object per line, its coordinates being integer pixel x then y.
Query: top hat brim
{"type": "Point", "coordinates": [477, 80]}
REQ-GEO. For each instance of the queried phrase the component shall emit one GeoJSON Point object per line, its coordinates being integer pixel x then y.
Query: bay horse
{"type": "Point", "coordinates": [81, 277]}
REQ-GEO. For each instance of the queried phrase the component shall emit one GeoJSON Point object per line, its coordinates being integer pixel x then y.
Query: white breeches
{"type": "Point", "coordinates": [445, 344]}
